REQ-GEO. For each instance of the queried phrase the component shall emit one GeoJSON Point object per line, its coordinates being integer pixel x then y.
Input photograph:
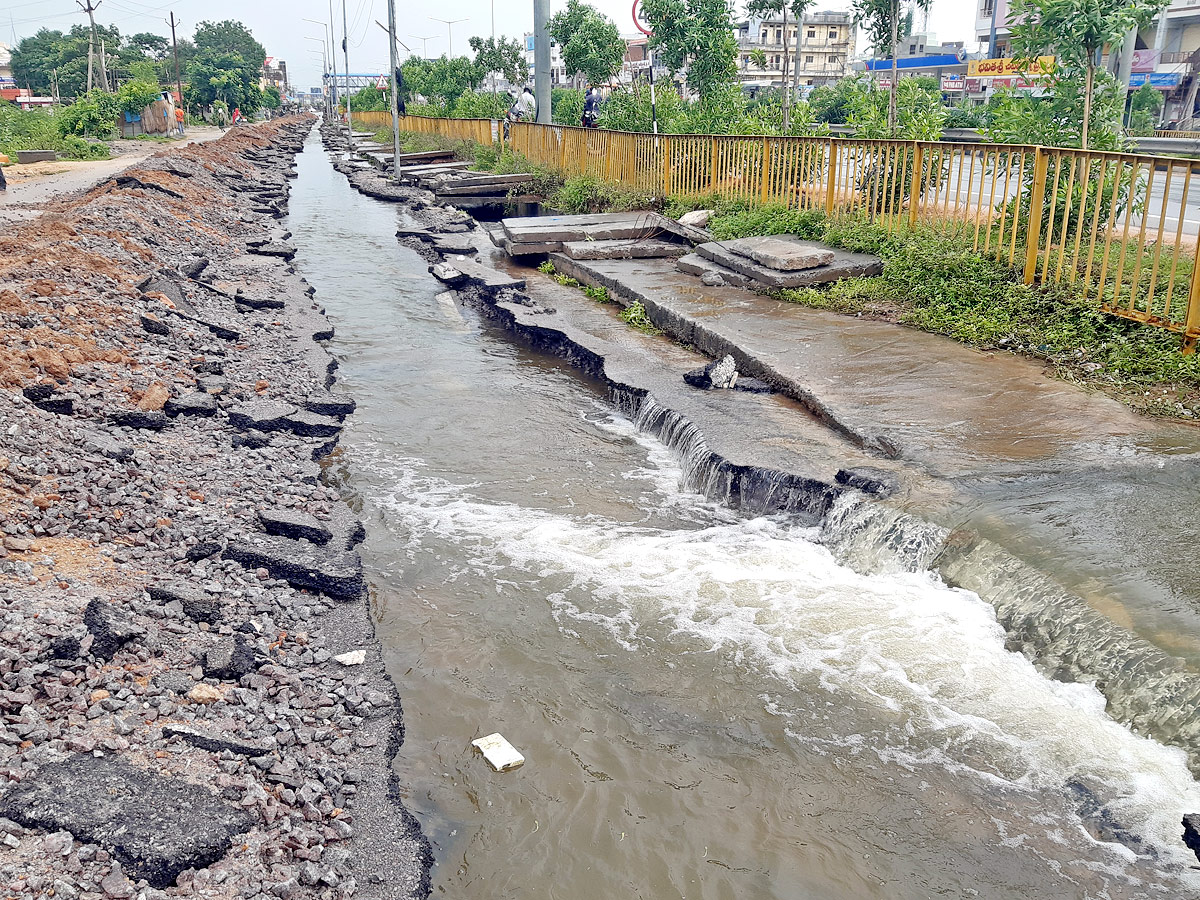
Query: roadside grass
{"type": "Point", "coordinates": [37, 130]}
{"type": "Point", "coordinates": [938, 283]}
{"type": "Point", "coordinates": [634, 315]}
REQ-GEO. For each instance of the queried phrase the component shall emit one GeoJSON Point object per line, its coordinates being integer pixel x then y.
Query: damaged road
{"type": "Point", "coordinates": [177, 579]}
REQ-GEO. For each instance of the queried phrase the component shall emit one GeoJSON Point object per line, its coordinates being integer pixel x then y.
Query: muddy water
{"type": "Point", "coordinates": [710, 706]}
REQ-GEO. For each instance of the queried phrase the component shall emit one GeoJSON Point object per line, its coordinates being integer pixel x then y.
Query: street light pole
{"type": "Point", "coordinates": [346, 60]}
{"type": "Point", "coordinates": [424, 44]}
{"type": "Point", "coordinates": [449, 32]}
{"type": "Point", "coordinates": [541, 59]}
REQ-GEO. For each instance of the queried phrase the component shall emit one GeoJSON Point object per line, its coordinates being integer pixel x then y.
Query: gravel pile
{"type": "Point", "coordinates": [191, 699]}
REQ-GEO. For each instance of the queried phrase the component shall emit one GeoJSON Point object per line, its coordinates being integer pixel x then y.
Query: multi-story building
{"type": "Point", "coordinates": [820, 47]}
{"type": "Point", "coordinates": [559, 76]}
{"type": "Point", "coordinates": [274, 74]}
{"type": "Point", "coordinates": [987, 14]}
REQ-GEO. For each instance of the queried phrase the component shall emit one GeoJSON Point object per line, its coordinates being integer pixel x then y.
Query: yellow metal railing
{"type": "Point", "coordinates": [1162, 132]}
{"type": "Point", "coordinates": [1116, 225]}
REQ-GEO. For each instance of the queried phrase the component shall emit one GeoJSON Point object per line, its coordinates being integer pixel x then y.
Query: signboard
{"type": "Point", "coordinates": [1007, 66]}
{"type": "Point", "coordinates": [1164, 81]}
{"type": "Point", "coordinates": [639, 22]}
{"type": "Point", "coordinates": [953, 84]}
{"type": "Point", "coordinates": [1144, 60]}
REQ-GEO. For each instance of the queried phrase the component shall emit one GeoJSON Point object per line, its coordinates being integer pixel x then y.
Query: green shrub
{"type": "Point", "coordinates": [134, 96]}
{"type": "Point", "coordinates": [635, 316]}
{"type": "Point", "coordinates": [587, 194]}
{"type": "Point", "coordinates": [566, 106]}
{"type": "Point", "coordinates": [92, 115]}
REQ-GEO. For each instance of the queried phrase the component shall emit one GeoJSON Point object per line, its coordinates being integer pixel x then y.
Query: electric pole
{"type": "Point", "coordinates": [175, 47]}
{"type": "Point", "coordinates": [90, 9]}
{"type": "Point", "coordinates": [541, 59]}
{"type": "Point", "coordinates": [346, 60]}
{"type": "Point", "coordinates": [395, 90]}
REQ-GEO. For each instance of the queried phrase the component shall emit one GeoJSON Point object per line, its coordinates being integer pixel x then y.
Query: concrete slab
{"type": "Point", "coordinates": [426, 156]}
{"type": "Point", "coordinates": [784, 253]}
{"type": "Point", "coordinates": [624, 249]}
{"type": "Point", "coordinates": [453, 243]}
{"type": "Point", "coordinates": [695, 264]}
{"type": "Point", "coordinates": [844, 265]}
{"type": "Point", "coordinates": [486, 278]}
{"type": "Point", "coordinates": [633, 227]}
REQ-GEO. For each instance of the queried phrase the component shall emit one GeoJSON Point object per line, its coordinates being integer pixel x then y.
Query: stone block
{"type": "Point", "coordinates": [154, 826]}
{"type": "Point", "coordinates": [783, 254]}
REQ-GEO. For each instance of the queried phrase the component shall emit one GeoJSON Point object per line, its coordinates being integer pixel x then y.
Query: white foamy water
{"type": "Point", "coordinates": [928, 663]}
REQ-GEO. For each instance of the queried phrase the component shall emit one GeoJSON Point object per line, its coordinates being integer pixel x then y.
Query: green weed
{"type": "Point", "coordinates": [634, 315]}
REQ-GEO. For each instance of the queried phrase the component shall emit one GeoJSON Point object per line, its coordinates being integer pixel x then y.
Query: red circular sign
{"type": "Point", "coordinates": [637, 19]}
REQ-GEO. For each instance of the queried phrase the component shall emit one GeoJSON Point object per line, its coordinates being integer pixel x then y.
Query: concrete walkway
{"type": "Point", "coordinates": [31, 187]}
{"type": "Point", "coordinates": [896, 391]}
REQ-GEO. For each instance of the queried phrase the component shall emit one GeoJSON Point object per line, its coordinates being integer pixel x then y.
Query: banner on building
{"type": "Point", "coordinates": [1164, 81]}
{"type": "Point", "coordinates": [1006, 66]}
{"type": "Point", "coordinates": [950, 84]}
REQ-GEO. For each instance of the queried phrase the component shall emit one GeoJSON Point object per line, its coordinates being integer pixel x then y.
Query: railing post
{"type": "Point", "coordinates": [1037, 197]}
{"type": "Point", "coordinates": [666, 155]}
{"type": "Point", "coordinates": [712, 180]}
{"type": "Point", "coordinates": [918, 177]}
{"type": "Point", "coordinates": [766, 169]}
{"type": "Point", "coordinates": [831, 184]}
{"type": "Point", "coordinates": [1192, 323]}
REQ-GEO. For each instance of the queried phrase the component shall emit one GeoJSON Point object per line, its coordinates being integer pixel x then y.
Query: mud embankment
{"type": "Point", "coordinates": [192, 703]}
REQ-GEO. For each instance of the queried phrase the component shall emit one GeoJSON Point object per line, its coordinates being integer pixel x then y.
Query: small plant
{"type": "Point", "coordinates": [599, 293]}
{"type": "Point", "coordinates": [634, 315]}
{"type": "Point", "coordinates": [546, 268]}
{"type": "Point", "coordinates": [567, 280]}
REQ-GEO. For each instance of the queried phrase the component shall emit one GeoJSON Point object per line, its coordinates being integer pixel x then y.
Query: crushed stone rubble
{"type": "Point", "coordinates": [192, 701]}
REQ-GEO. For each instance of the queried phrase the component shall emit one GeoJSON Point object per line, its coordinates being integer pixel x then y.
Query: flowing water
{"type": "Point", "coordinates": [710, 705]}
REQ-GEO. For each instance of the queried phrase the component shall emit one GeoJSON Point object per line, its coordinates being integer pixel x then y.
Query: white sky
{"type": "Point", "coordinates": [279, 25]}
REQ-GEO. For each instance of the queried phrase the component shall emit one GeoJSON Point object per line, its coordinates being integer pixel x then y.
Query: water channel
{"type": "Point", "coordinates": [710, 705]}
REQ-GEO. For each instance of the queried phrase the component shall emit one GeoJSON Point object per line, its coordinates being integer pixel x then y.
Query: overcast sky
{"type": "Point", "coordinates": [281, 28]}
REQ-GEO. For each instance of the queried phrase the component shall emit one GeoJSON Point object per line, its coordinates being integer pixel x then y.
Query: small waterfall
{"type": "Point", "coordinates": [1146, 689]}
{"type": "Point", "coordinates": [749, 489]}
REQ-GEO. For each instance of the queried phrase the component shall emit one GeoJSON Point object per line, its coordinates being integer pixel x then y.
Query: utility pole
{"type": "Point", "coordinates": [395, 104]}
{"type": "Point", "coordinates": [346, 60]}
{"type": "Point", "coordinates": [90, 10]}
{"type": "Point", "coordinates": [541, 59]}
{"type": "Point", "coordinates": [175, 47]}
{"type": "Point", "coordinates": [103, 66]}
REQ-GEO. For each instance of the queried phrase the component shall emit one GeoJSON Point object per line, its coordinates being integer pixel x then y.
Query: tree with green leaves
{"type": "Point", "coordinates": [591, 44]}
{"type": "Point", "coordinates": [1075, 31]}
{"type": "Point", "coordinates": [230, 36]}
{"type": "Point", "coordinates": [440, 81]}
{"type": "Point", "coordinates": [696, 35]}
{"type": "Point", "coordinates": [781, 8]}
{"type": "Point", "coordinates": [50, 58]}
{"type": "Point", "coordinates": [502, 55]}
{"type": "Point", "coordinates": [882, 21]}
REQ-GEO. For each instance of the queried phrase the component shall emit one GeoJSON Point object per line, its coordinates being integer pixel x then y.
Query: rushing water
{"type": "Point", "coordinates": [710, 705]}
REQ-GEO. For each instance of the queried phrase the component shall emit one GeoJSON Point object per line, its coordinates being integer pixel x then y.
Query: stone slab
{"type": "Point", "coordinates": [484, 277]}
{"type": "Point", "coordinates": [261, 415]}
{"type": "Point", "coordinates": [292, 523]}
{"type": "Point", "coordinates": [695, 264]}
{"type": "Point", "coordinates": [624, 249]}
{"type": "Point", "coordinates": [632, 226]}
{"type": "Point", "coordinates": [784, 253]}
{"type": "Point", "coordinates": [468, 181]}
{"type": "Point", "coordinates": [844, 265]}
{"type": "Point", "coordinates": [25, 157]}
{"type": "Point", "coordinates": [155, 826]}
{"type": "Point", "coordinates": [426, 156]}
{"type": "Point", "coordinates": [301, 564]}
{"type": "Point", "coordinates": [453, 243]}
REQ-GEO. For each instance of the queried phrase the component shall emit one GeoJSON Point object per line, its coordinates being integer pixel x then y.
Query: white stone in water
{"type": "Point", "coordinates": [500, 754]}
{"type": "Point", "coordinates": [353, 658]}
{"type": "Point", "coordinates": [724, 374]}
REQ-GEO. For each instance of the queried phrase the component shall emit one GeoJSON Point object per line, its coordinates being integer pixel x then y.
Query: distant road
{"type": "Point", "coordinates": [31, 187]}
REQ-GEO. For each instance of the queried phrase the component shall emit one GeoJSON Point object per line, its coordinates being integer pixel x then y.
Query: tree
{"type": "Point", "coordinates": [781, 8]}
{"type": "Point", "coordinates": [1075, 31]}
{"type": "Point", "coordinates": [440, 81]}
{"type": "Point", "coordinates": [591, 44]}
{"type": "Point", "coordinates": [504, 55]}
{"type": "Point", "coordinates": [223, 76]}
{"type": "Point", "coordinates": [271, 98]}
{"type": "Point", "coordinates": [230, 37]}
{"type": "Point", "coordinates": [696, 35]}
{"type": "Point", "coordinates": [51, 58]}
{"type": "Point", "coordinates": [881, 20]}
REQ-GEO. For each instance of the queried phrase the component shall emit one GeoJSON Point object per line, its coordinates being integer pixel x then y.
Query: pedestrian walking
{"type": "Point", "coordinates": [221, 117]}
{"type": "Point", "coordinates": [526, 106]}
{"type": "Point", "coordinates": [179, 119]}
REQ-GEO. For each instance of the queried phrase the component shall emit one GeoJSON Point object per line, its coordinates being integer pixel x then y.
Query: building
{"type": "Point", "coordinates": [820, 48]}
{"type": "Point", "coordinates": [274, 74]}
{"type": "Point", "coordinates": [987, 14]}
{"type": "Point", "coordinates": [559, 77]}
